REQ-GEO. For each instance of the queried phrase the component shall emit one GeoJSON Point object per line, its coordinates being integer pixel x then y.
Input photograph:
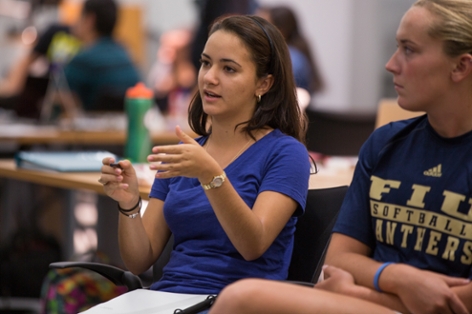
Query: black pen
{"type": "Point", "coordinates": [115, 165]}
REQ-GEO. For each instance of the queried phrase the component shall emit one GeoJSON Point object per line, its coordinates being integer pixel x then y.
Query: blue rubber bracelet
{"type": "Point", "coordinates": [377, 275]}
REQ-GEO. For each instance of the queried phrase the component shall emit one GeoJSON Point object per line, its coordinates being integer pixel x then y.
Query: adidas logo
{"type": "Point", "coordinates": [433, 172]}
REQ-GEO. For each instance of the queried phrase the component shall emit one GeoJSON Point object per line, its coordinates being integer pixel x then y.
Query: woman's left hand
{"type": "Point", "coordinates": [188, 159]}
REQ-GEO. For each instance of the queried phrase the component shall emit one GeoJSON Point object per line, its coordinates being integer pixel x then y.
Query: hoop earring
{"type": "Point", "coordinates": [259, 97]}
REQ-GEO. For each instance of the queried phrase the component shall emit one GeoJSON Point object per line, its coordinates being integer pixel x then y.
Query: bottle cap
{"type": "Point", "coordinates": [139, 91]}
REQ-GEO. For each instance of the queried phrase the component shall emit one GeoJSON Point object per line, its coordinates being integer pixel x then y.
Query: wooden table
{"type": "Point", "coordinates": [66, 180]}
{"type": "Point", "coordinates": [89, 181]}
{"type": "Point", "coordinates": [50, 135]}
{"type": "Point", "coordinates": [71, 182]}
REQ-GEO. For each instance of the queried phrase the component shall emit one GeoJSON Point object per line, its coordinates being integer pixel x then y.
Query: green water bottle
{"type": "Point", "coordinates": [137, 103]}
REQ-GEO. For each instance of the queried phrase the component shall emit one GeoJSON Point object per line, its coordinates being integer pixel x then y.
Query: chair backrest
{"type": "Point", "coordinates": [338, 133]}
{"type": "Point", "coordinates": [314, 232]}
{"type": "Point", "coordinates": [389, 111]}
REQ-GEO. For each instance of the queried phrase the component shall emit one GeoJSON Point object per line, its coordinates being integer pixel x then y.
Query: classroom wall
{"type": "Point", "coordinates": [352, 40]}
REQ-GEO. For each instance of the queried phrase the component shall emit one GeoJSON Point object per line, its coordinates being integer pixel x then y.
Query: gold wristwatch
{"type": "Point", "coordinates": [216, 182]}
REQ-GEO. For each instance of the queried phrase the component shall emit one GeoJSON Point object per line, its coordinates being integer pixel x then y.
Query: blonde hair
{"type": "Point", "coordinates": [453, 25]}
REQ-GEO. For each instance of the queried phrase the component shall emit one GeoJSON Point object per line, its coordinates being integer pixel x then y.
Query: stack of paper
{"type": "Point", "coordinates": [144, 301]}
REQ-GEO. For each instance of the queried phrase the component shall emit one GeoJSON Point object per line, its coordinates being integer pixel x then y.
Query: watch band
{"type": "Point", "coordinates": [216, 182]}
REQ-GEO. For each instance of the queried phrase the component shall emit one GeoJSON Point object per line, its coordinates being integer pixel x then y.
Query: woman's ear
{"type": "Point", "coordinates": [264, 84]}
{"type": "Point", "coordinates": [463, 68]}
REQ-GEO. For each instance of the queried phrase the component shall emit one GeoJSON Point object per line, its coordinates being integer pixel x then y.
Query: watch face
{"type": "Point", "coordinates": [217, 182]}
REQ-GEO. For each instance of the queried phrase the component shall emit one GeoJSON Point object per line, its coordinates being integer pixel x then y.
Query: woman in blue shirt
{"type": "Point", "coordinates": [231, 196]}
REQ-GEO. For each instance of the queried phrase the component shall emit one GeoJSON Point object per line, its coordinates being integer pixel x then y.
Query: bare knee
{"type": "Point", "coordinates": [236, 298]}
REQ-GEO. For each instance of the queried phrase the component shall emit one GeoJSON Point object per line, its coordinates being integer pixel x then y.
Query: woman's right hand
{"type": "Point", "coordinates": [120, 183]}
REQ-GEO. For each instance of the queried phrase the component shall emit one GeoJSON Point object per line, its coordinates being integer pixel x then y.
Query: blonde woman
{"type": "Point", "coordinates": [402, 238]}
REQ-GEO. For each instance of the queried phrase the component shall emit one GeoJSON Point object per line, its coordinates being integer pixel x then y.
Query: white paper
{"type": "Point", "coordinates": [143, 301]}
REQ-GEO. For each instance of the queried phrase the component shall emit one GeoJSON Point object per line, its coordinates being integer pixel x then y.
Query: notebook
{"type": "Point", "coordinates": [64, 161]}
{"type": "Point", "coordinates": [143, 301]}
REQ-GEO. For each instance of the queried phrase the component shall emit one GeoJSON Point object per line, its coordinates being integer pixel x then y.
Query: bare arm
{"type": "Point", "coordinates": [465, 294]}
{"type": "Point", "coordinates": [143, 237]}
{"type": "Point", "coordinates": [353, 256]}
{"type": "Point", "coordinates": [14, 83]}
{"type": "Point", "coordinates": [251, 231]}
{"type": "Point", "coordinates": [340, 281]}
{"type": "Point", "coordinates": [404, 286]}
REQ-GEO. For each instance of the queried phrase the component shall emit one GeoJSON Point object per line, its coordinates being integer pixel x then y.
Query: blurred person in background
{"type": "Point", "coordinates": [173, 77]}
{"type": "Point", "coordinates": [305, 69]}
{"type": "Point", "coordinates": [26, 82]}
{"type": "Point", "coordinates": [85, 57]}
{"type": "Point", "coordinates": [102, 67]}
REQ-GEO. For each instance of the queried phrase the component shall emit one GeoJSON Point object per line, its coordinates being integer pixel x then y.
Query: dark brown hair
{"type": "Point", "coordinates": [279, 107]}
{"type": "Point", "coordinates": [106, 15]}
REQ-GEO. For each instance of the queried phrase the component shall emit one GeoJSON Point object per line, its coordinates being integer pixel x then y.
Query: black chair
{"type": "Point", "coordinates": [311, 241]}
{"type": "Point", "coordinates": [314, 232]}
{"type": "Point", "coordinates": [338, 133]}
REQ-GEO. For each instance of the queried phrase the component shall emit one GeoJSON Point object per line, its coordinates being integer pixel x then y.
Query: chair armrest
{"type": "Point", "coordinates": [116, 275]}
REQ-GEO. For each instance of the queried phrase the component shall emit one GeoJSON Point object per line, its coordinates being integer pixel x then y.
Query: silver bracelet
{"type": "Point", "coordinates": [132, 215]}
{"type": "Point", "coordinates": [125, 211]}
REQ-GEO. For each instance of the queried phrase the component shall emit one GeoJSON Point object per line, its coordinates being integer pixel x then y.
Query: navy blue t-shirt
{"type": "Point", "coordinates": [203, 259]}
{"type": "Point", "coordinates": [410, 199]}
{"type": "Point", "coordinates": [104, 68]}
